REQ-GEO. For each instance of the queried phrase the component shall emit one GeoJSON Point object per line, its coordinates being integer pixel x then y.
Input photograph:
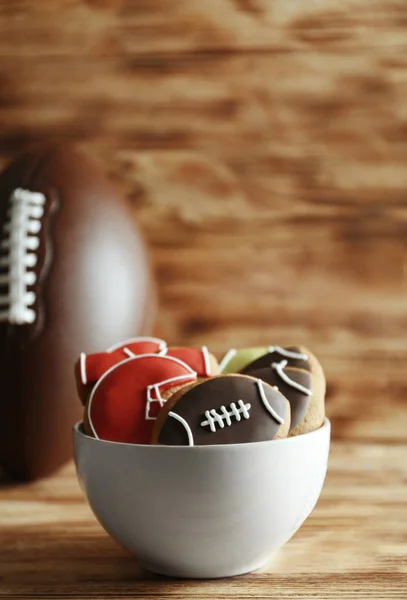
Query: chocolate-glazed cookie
{"type": "Point", "coordinates": [292, 354]}
{"type": "Point", "coordinates": [305, 392]}
{"type": "Point", "coordinates": [294, 384]}
{"type": "Point", "coordinates": [227, 409]}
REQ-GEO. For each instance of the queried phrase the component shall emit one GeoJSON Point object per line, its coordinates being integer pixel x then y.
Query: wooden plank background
{"type": "Point", "coordinates": [264, 146]}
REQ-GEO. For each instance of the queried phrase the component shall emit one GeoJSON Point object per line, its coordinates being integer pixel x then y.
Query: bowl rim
{"type": "Point", "coordinates": [325, 427]}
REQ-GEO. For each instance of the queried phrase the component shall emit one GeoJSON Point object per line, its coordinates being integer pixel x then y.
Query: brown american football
{"type": "Point", "coordinates": [74, 277]}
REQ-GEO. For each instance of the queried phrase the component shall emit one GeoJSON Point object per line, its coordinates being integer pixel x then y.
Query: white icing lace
{"type": "Point", "coordinates": [19, 244]}
{"type": "Point", "coordinates": [267, 404]}
{"type": "Point", "coordinates": [214, 418]}
{"type": "Point", "coordinates": [185, 426]}
{"type": "Point", "coordinates": [279, 367]}
{"type": "Point", "coordinates": [287, 353]}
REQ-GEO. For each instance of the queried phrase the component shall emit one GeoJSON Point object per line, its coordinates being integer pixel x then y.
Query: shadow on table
{"type": "Point", "coordinates": [4, 479]}
{"type": "Point", "coordinates": [42, 563]}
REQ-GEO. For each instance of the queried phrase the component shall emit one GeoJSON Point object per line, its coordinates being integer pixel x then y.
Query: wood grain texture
{"type": "Point", "coordinates": [263, 145]}
{"type": "Point", "coordinates": [354, 545]}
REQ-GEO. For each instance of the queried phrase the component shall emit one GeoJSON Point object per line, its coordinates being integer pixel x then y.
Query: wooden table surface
{"type": "Point", "coordinates": [354, 544]}
{"type": "Point", "coordinates": [263, 145]}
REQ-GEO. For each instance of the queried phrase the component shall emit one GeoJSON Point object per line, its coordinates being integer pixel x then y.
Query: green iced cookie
{"type": "Point", "coordinates": [236, 360]}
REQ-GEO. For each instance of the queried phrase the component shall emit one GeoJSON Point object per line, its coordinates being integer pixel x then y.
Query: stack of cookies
{"type": "Point", "coordinates": [145, 392]}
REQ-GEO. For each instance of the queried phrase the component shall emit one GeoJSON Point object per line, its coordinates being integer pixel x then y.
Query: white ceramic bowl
{"type": "Point", "coordinates": [203, 511]}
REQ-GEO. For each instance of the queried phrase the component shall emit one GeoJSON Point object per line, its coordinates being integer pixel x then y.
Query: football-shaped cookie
{"type": "Point", "coordinates": [294, 384]}
{"type": "Point", "coordinates": [304, 389]}
{"type": "Point", "coordinates": [228, 409]}
{"type": "Point", "coordinates": [275, 354]}
{"type": "Point", "coordinates": [248, 359]}
{"type": "Point", "coordinates": [74, 276]}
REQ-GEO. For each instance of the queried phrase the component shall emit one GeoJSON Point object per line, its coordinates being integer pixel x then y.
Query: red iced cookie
{"type": "Point", "coordinates": [90, 367]}
{"type": "Point", "coordinates": [200, 360]}
{"type": "Point", "coordinates": [125, 401]}
{"type": "Point", "coordinates": [139, 345]}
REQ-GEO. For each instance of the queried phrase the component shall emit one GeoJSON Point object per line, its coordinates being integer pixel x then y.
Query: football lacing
{"type": "Point", "coordinates": [19, 244]}
{"type": "Point", "coordinates": [279, 367]}
{"type": "Point", "coordinates": [287, 353]}
{"type": "Point", "coordinates": [214, 418]}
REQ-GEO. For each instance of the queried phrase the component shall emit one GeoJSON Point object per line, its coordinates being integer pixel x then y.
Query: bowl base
{"type": "Point", "coordinates": [197, 573]}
